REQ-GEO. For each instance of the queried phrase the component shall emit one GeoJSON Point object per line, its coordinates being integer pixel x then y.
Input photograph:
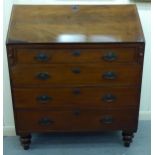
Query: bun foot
{"type": "Point", "coordinates": [25, 141]}
{"type": "Point", "coordinates": [127, 138]}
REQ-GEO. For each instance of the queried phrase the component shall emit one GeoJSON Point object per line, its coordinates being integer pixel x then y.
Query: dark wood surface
{"type": "Point", "coordinates": [73, 74]}
{"type": "Point", "coordinates": [59, 57]}
{"type": "Point", "coordinates": [76, 120]}
{"type": "Point", "coordinates": [90, 97]}
{"type": "Point", "coordinates": [86, 24]}
{"type": "Point", "coordinates": [31, 56]}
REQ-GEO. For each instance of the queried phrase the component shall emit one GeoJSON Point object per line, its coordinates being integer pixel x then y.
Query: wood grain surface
{"type": "Point", "coordinates": [80, 24]}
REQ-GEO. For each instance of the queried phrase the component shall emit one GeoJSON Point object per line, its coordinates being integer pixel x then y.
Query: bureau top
{"type": "Point", "coordinates": [74, 24]}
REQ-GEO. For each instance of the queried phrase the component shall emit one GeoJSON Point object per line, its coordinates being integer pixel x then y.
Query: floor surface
{"type": "Point", "coordinates": [97, 144]}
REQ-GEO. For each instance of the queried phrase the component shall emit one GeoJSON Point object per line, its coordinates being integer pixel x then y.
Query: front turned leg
{"type": "Point", "coordinates": [25, 141]}
{"type": "Point", "coordinates": [127, 138]}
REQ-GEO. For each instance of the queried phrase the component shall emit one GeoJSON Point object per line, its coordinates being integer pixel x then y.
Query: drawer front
{"type": "Point", "coordinates": [75, 74]}
{"type": "Point", "coordinates": [103, 97]}
{"type": "Point", "coordinates": [36, 56]}
{"type": "Point", "coordinates": [73, 120]}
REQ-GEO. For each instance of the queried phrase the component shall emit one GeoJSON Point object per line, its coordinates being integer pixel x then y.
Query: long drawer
{"type": "Point", "coordinates": [43, 55]}
{"type": "Point", "coordinates": [73, 74]}
{"type": "Point", "coordinates": [71, 120]}
{"type": "Point", "coordinates": [104, 97]}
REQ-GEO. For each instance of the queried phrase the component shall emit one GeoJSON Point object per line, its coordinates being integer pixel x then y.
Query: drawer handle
{"type": "Point", "coordinates": [109, 75]}
{"type": "Point", "coordinates": [43, 76]}
{"type": "Point", "coordinates": [76, 70]}
{"type": "Point", "coordinates": [76, 53]}
{"type": "Point", "coordinates": [45, 121]}
{"type": "Point", "coordinates": [41, 57]}
{"type": "Point", "coordinates": [76, 91]}
{"type": "Point", "coordinates": [110, 56]}
{"type": "Point", "coordinates": [107, 120]}
{"type": "Point", "coordinates": [44, 98]}
{"type": "Point", "coordinates": [109, 98]}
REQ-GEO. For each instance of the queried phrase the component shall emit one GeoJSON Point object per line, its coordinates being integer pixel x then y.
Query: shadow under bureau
{"type": "Point", "coordinates": [75, 69]}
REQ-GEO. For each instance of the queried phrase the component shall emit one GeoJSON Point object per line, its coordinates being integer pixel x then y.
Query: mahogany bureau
{"type": "Point", "coordinates": [75, 69]}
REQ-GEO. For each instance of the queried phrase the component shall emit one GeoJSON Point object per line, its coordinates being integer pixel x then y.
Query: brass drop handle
{"type": "Point", "coordinates": [76, 53]}
{"type": "Point", "coordinates": [43, 76]}
{"type": "Point", "coordinates": [45, 121]}
{"type": "Point", "coordinates": [107, 120]}
{"type": "Point", "coordinates": [108, 98]}
{"type": "Point", "coordinates": [41, 57]}
{"type": "Point", "coordinates": [110, 56]}
{"type": "Point", "coordinates": [110, 75]}
{"type": "Point", "coordinates": [44, 98]}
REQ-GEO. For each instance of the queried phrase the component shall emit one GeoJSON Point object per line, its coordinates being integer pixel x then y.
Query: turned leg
{"type": "Point", "coordinates": [127, 138]}
{"type": "Point", "coordinates": [25, 141]}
